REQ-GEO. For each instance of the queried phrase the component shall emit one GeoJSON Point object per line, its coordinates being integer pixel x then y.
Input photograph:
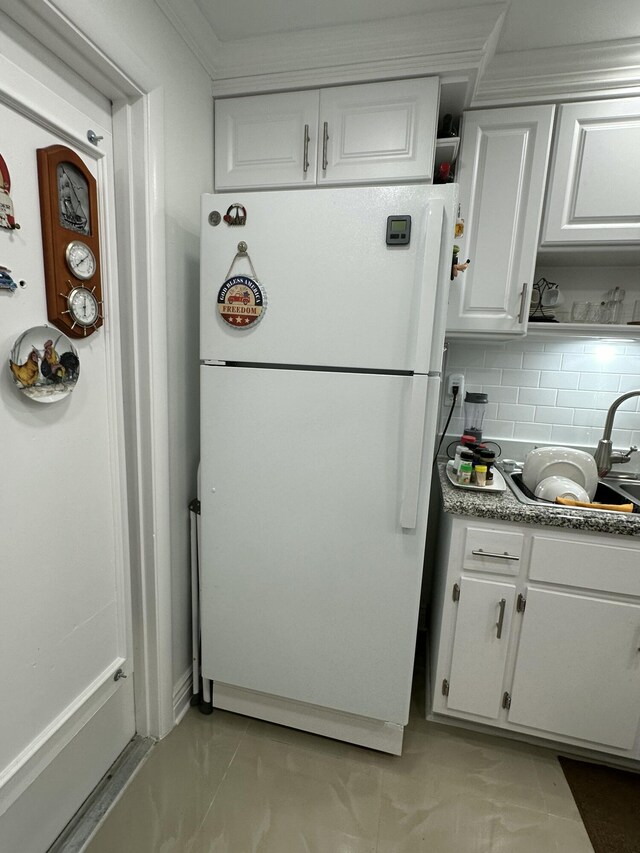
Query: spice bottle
{"type": "Point", "coordinates": [481, 475]}
{"type": "Point", "coordinates": [488, 458]}
{"type": "Point", "coordinates": [465, 468]}
{"type": "Point", "coordinates": [456, 461]}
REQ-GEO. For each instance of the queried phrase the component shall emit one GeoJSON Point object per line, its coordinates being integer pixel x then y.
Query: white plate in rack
{"type": "Point", "coordinates": [498, 484]}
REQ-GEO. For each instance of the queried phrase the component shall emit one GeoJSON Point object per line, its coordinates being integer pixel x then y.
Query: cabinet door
{"type": "Point", "coordinates": [594, 188]}
{"type": "Point", "coordinates": [266, 141]}
{"type": "Point", "coordinates": [502, 168]}
{"type": "Point", "coordinates": [378, 132]}
{"type": "Point", "coordinates": [578, 668]}
{"type": "Point", "coordinates": [480, 647]}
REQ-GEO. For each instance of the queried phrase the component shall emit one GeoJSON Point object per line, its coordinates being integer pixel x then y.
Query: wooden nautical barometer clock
{"type": "Point", "coordinates": [70, 241]}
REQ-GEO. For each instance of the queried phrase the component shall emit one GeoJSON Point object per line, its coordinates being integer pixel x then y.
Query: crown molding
{"type": "Point", "coordinates": [441, 42]}
{"type": "Point", "coordinates": [600, 69]}
{"type": "Point", "coordinates": [196, 31]}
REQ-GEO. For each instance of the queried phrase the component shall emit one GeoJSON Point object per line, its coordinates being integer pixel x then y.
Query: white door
{"type": "Point", "coordinates": [310, 586]}
{"type": "Point", "coordinates": [266, 140]}
{"type": "Point", "coordinates": [481, 640]}
{"type": "Point", "coordinates": [594, 184]}
{"type": "Point", "coordinates": [378, 132]}
{"type": "Point", "coordinates": [501, 169]}
{"type": "Point", "coordinates": [578, 668]}
{"type": "Point", "coordinates": [65, 606]}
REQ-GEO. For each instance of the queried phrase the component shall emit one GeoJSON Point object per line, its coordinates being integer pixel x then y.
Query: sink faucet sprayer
{"type": "Point", "coordinates": [604, 455]}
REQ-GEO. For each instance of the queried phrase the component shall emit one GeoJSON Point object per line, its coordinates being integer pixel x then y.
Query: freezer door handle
{"type": "Point", "coordinates": [413, 448]}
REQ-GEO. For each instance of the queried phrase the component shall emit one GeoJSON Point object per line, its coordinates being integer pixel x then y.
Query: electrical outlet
{"type": "Point", "coordinates": [455, 379]}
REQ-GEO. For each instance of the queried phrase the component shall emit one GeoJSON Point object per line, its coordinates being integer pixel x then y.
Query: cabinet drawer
{"type": "Point", "coordinates": [585, 563]}
{"type": "Point", "coordinates": [492, 550]}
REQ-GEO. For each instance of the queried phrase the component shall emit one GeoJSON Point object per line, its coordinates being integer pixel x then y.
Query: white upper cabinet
{"type": "Point", "coordinates": [501, 170]}
{"type": "Point", "coordinates": [373, 133]}
{"type": "Point", "coordinates": [594, 184]}
{"type": "Point", "coordinates": [266, 140]}
{"type": "Point", "coordinates": [378, 132]}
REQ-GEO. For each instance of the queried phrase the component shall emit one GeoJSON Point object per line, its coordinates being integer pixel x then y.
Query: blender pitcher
{"type": "Point", "coordinates": [475, 406]}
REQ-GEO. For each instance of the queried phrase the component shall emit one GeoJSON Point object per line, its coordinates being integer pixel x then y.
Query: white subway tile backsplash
{"type": "Point", "coordinates": [551, 392]}
{"type": "Point", "coordinates": [629, 383]}
{"type": "Point", "coordinates": [542, 361]}
{"type": "Point", "coordinates": [502, 358]}
{"type": "Point", "coordinates": [577, 399]}
{"type": "Point", "coordinates": [575, 435]}
{"type": "Point", "coordinates": [537, 396]}
{"type": "Point", "coordinates": [589, 417]}
{"type": "Point", "coordinates": [484, 376]}
{"type": "Point", "coordinates": [514, 412]}
{"type": "Point", "coordinates": [557, 379]}
{"type": "Point", "coordinates": [521, 378]}
{"type": "Point", "coordinates": [598, 382]}
{"type": "Point", "coordinates": [497, 429]}
{"type": "Point", "coordinates": [532, 432]}
{"type": "Point", "coordinates": [465, 355]}
{"type": "Point", "coordinates": [627, 420]}
{"type": "Point", "coordinates": [553, 415]}
{"type": "Point", "coordinates": [501, 393]}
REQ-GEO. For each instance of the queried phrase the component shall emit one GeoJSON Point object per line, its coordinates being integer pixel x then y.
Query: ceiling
{"type": "Point", "coordinates": [528, 24]}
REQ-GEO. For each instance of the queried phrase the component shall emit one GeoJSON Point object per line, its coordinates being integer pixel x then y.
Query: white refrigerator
{"type": "Point", "coordinates": [321, 339]}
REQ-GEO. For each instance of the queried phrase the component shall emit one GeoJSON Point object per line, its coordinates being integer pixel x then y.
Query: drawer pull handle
{"type": "Point", "coordinates": [503, 556]}
{"type": "Point", "coordinates": [501, 604]}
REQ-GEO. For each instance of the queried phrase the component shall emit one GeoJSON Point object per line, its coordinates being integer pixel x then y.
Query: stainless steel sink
{"type": "Point", "coordinates": [608, 492]}
{"type": "Point", "coordinates": [628, 487]}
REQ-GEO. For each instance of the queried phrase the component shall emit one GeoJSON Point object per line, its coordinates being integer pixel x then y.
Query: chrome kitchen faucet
{"type": "Point", "coordinates": [604, 455]}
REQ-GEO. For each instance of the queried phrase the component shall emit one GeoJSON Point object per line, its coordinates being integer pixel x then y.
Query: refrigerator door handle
{"type": "Point", "coordinates": [428, 308]}
{"type": "Point", "coordinates": [413, 449]}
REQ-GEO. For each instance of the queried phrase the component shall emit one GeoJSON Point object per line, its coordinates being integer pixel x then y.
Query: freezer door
{"type": "Point", "coordinates": [310, 583]}
{"type": "Point", "coordinates": [336, 293]}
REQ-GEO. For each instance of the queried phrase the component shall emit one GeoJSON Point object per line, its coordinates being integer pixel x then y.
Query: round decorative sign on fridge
{"type": "Point", "coordinates": [241, 301]}
{"type": "Point", "coordinates": [44, 364]}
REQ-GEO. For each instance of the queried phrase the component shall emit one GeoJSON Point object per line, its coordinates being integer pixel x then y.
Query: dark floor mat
{"type": "Point", "coordinates": [609, 803]}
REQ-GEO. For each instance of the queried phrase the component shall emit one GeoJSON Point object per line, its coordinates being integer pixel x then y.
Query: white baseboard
{"type": "Point", "coordinates": [182, 695]}
{"type": "Point", "coordinates": [375, 734]}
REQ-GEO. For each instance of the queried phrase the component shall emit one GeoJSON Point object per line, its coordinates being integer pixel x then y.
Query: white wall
{"type": "Point", "coordinates": [139, 35]}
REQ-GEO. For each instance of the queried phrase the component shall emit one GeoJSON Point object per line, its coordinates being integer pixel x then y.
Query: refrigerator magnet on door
{"type": "Point", "coordinates": [241, 300]}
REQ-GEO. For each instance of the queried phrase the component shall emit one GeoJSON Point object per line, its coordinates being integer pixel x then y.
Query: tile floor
{"type": "Point", "coordinates": [229, 784]}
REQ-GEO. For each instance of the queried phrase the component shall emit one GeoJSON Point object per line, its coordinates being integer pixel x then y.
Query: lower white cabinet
{"type": "Point", "coordinates": [557, 658]}
{"type": "Point", "coordinates": [480, 645]}
{"type": "Point", "coordinates": [578, 668]}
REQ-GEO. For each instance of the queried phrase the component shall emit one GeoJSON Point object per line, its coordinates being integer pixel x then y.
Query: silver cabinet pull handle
{"type": "Point", "coordinates": [502, 604]}
{"type": "Point", "coordinates": [523, 303]}
{"type": "Point", "coordinates": [305, 150]}
{"type": "Point", "coordinates": [325, 140]}
{"type": "Point", "coordinates": [503, 556]}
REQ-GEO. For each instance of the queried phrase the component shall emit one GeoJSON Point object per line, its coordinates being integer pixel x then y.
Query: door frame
{"type": "Point", "coordinates": [138, 141]}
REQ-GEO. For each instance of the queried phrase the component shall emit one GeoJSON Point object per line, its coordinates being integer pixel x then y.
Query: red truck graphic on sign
{"type": "Point", "coordinates": [240, 297]}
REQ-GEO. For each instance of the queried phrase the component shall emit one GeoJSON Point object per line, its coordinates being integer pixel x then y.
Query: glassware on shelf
{"type": "Point", "coordinates": [590, 312]}
{"type": "Point", "coordinates": [614, 300]}
{"type": "Point", "coordinates": [635, 317]}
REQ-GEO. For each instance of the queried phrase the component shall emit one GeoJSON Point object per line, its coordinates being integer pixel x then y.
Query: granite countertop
{"type": "Point", "coordinates": [506, 507]}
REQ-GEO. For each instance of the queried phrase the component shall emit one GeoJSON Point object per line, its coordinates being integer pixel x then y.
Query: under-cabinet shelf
{"type": "Point", "coordinates": [583, 330]}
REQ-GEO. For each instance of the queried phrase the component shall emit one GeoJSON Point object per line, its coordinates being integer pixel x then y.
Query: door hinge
{"type": "Point", "coordinates": [506, 700]}
{"type": "Point", "coordinates": [456, 592]}
{"type": "Point", "coordinates": [521, 603]}
{"type": "Point", "coordinates": [194, 506]}
{"type": "Point", "coordinates": [445, 687]}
